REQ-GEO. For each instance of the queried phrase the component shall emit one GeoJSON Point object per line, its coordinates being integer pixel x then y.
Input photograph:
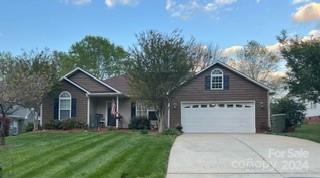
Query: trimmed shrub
{"type": "Point", "coordinates": [6, 125]}
{"type": "Point", "coordinates": [80, 125]}
{"type": "Point", "coordinates": [144, 131]}
{"type": "Point", "coordinates": [54, 124]}
{"type": "Point", "coordinates": [179, 128]}
{"type": "Point", "coordinates": [139, 123]}
{"type": "Point", "coordinates": [172, 131]}
{"type": "Point", "coordinates": [28, 127]}
{"type": "Point", "coordinates": [293, 110]}
{"type": "Point", "coordinates": [66, 124]}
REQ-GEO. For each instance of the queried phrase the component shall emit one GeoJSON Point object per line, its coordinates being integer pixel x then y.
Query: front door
{"type": "Point", "coordinates": [111, 118]}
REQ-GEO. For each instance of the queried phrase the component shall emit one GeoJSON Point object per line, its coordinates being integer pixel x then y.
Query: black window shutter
{"type": "Point", "coordinates": [74, 107]}
{"type": "Point", "coordinates": [207, 82]}
{"type": "Point", "coordinates": [133, 110]}
{"type": "Point", "coordinates": [56, 109]}
{"type": "Point", "coordinates": [226, 82]}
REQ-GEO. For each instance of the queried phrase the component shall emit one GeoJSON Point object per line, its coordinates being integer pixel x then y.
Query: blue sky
{"type": "Point", "coordinates": [56, 24]}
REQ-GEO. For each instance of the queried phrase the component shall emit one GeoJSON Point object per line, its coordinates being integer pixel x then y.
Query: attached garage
{"type": "Point", "coordinates": [218, 117]}
{"type": "Point", "coordinates": [220, 99]}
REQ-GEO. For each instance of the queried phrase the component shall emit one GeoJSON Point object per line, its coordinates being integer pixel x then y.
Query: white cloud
{"type": "Point", "coordinates": [187, 8]}
{"type": "Point", "coordinates": [275, 48]}
{"type": "Point", "coordinates": [315, 33]}
{"type": "Point", "coordinates": [307, 13]}
{"type": "Point", "coordinates": [231, 51]}
{"type": "Point", "coordinates": [78, 2]}
{"type": "Point", "coordinates": [300, 1]}
{"type": "Point", "coordinates": [258, 1]}
{"type": "Point", "coordinates": [111, 3]}
{"type": "Point", "coordinates": [312, 34]}
{"type": "Point", "coordinates": [224, 2]}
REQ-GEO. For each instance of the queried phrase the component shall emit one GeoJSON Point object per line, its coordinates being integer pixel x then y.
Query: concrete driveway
{"type": "Point", "coordinates": [243, 155]}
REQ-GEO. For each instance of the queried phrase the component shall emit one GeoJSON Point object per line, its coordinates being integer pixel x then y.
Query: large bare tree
{"type": "Point", "coordinates": [256, 61]}
{"type": "Point", "coordinates": [206, 54]}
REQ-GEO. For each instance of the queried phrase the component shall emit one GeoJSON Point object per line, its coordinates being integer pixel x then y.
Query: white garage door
{"type": "Point", "coordinates": [218, 117]}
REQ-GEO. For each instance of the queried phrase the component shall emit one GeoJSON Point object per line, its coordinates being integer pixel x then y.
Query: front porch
{"type": "Point", "coordinates": [100, 112]}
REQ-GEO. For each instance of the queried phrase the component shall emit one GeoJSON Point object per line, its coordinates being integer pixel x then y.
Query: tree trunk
{"type": "Point", "coordinates": [161, 120]}
{"type": "Point", "coordinates": [35, 120]}
{"type": "Point", "coordinates": [2, 122]}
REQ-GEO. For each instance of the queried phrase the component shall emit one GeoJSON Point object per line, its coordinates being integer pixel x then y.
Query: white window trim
{"type": "Point", "coordinates": [70, 98]}
{"type": "Point", "coordinates": [143, 109]}
{"type": "Point", "coordinates": [217, 75]}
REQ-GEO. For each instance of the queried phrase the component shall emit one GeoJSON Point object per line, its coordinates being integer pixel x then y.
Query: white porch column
{"type": "Point", "coordinates": [106, 118]}
{"type": "Point", "coordinates": [88, 112]}
{"type": "Point", "coordinates": [117, 111]}
{"type": "Point", "coordinates": [168, 124]}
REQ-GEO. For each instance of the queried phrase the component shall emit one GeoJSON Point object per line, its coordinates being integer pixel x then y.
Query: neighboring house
{"type": "Point", "coordinates": [17, 115]}
{"type": "Point", "coordinates": [217, 99]}
{"type": "Point", "coordinates": [313, 111]}
{"type": "Point", "coordinates": [18, 119]}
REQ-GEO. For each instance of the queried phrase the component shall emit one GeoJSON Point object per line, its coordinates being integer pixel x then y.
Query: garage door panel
{"type": "Point", "coordinates": [206, 117]}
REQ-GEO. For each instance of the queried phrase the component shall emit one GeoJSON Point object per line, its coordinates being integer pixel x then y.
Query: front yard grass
{"type": "Point", "coordinates": [307, 131]}
{"type": "Point", "coordinates": [85, 154]}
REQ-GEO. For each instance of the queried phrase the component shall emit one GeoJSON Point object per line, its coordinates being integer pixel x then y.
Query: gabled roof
{"type": "Point", "coordinates": [237, 72]}
{"type": "Point", "coordinates": [120, 82]}
{"type": "Point", "coordinates": [108, 88]}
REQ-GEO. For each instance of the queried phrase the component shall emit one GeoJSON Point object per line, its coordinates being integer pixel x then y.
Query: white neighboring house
{"type": "Point", "coordinates": [312, 110]}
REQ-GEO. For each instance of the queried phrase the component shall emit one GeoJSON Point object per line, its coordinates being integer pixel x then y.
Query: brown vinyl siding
{"type": "Point", "coordinates": [88, 83]}
{"type": "Point", "coordinates": [79, 95]}
{"type": "Point", "coordinates": [240, 89]}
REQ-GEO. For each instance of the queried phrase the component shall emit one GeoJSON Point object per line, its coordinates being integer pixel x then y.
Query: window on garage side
{"type": "Point", "coordinates": [217, 79]}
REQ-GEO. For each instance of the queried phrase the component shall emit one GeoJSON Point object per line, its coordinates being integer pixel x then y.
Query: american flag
{"type": "Point", "coordinates": [113, 108]}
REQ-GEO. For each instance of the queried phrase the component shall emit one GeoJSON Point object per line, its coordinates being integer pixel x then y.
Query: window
{"type": "Point", "coordinates": [221, 105]}
{"type": "Point", "coordinates": [204, 106]}
{"type": "Point", "coordinates": [238, 105]}
{"type": "Point", "coordinates": [64, 105]}
{"type": "Point", "coordinates": [152, 115]}
{"type": "Point", "coordinates": [141, 109]}
{"type": "Point", "coordinates": [212, 105]}
{"type": "Point", "coordinates": [216, 79]}
{"type": "Point", "coordinates": [195, 106]}
{"type": "Point", "coordinates": [229, 105]}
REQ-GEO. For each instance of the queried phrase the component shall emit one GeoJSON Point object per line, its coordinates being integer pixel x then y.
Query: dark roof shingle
{"type": "Point", "coordinates": [120, 83]}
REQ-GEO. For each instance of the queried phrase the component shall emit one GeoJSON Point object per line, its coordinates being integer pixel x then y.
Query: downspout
{"type": "Point", "coordinates": [41, 112]}
{"type": "Point", "coordinates": [269, 112]}
{"type": "Point", "coordinates": [88, 111]}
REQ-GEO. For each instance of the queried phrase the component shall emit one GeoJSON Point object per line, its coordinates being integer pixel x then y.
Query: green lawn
{"type": "Point", "coordinates": [85, 154]}
{"type": "Point", "coordinates": [307, 131]}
